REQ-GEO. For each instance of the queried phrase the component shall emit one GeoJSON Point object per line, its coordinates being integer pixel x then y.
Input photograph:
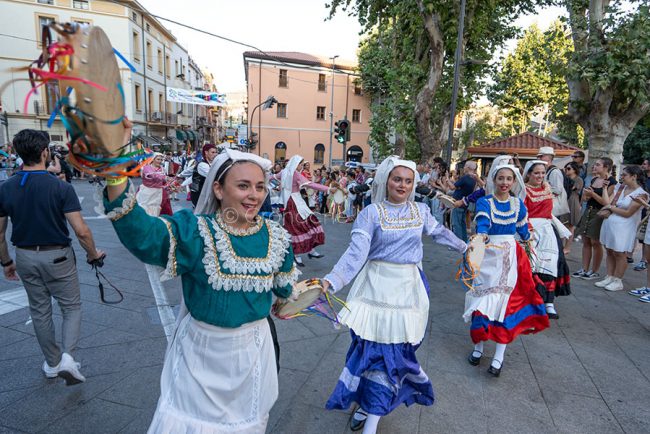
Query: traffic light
{"type": "Point", "coordinates": [342, 131]}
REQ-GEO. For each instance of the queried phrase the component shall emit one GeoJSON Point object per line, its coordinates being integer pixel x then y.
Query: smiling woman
{"type": "Point", "coordinates": [219, 372]}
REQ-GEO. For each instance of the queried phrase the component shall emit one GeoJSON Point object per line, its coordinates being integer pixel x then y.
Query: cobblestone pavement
{"type": "Point", "coordinates": [588, 373]}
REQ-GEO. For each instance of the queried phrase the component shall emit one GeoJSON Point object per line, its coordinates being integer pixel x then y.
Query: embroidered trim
{"type": "Point", "coordinates": [170, 269]}
{"type": "Point", "coordinates": [116, 213]}
{"type": "Point", "coordinates": [277, 248]}
{"type": "Point", "coordinates": [227, 281]}
{"type": "Point", "coordinates": [504, 217]}
{"type": "Point", "coordinates": [255, 228]}
{"type": "Point", "coordinates": [362, 232]}
{"type": "Point", "coordinates": [523, 221]}
{"type": "Point", "coordinates": [414, 220]}
{"type": "Point", "coordinates": [284, 278]}
{"type": "Point", "coordinates": [539, 194]}
{"type": "Point", "coordinates": [481, 213]}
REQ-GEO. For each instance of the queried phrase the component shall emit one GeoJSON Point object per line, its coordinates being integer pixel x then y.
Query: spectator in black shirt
{"type": "Point", "coordinates": [40, 205]}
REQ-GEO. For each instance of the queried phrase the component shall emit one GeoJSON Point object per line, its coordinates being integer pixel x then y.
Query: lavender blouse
{"type": "Point", "coordinates": [391, 233]}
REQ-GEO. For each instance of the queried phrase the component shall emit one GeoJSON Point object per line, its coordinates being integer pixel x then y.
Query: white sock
{"type": "Point", "coordinates": [298, 259]}
{"type": "Point", "coordinates": [314, 252]}
{"type": "Point", "coordinates": [550, 308]}
{"type": "Point", "coordinates": [371, 424]}
{"type": "Point", "coordinates": [499, 354]}
{"type": "Point", "coordinates": [478, 350]}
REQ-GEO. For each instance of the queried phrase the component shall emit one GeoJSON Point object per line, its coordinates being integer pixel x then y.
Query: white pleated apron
{"type": "Point", "coordinates": [217, 380]}
{"type": "Point", "coordinates": [496, 280]}
{"type": "Point", "coordinates": [388, 304]}
{"type": "Point", "coordinates": [546, 248]}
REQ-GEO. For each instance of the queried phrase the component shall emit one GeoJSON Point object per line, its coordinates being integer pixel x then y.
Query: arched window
{"type": "Point", "coordinates": [355, 153]}
{"type": "Point", "coordinates": [280, 152]}
{"type": "Point", "coordinates": [319, 153]}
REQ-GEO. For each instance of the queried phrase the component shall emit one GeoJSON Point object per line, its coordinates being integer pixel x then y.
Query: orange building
{"type": "Point", "coordinates": [300, 121]}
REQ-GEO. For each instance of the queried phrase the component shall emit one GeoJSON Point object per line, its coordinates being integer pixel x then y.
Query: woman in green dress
{"type": "Point", "coordinates": [219, 373]}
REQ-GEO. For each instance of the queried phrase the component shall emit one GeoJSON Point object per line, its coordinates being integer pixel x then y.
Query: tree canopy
{"type": "Point", "coordinates": [406, 63]}
{"type": "Point", "coordinates": [531, 82]}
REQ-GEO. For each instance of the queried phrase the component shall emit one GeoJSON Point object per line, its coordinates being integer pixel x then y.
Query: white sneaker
{"type": "Point", "coordinates": [50, 372]}
{"type": "Point", "coordinates": [615, 285]}
{"type": "Point", "coordinates": [69, 370]}
{"type": "Point", "coordinates": [606, 281]}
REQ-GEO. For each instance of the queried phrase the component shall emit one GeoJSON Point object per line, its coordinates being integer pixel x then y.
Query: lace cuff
{"type": "Point", "coordinates": [128, 203]}
{"type": "Point", "coordinates": [284, 278]}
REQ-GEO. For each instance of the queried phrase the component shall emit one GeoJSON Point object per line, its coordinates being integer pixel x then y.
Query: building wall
{"type": "Point", "coordinates": [20, 18]}
{"type": "Point", "coordinates": [301, 131]}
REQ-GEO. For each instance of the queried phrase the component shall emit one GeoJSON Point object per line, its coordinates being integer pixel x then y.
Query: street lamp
{"type": "Point", "coordinates": [267, 103]}
{"type": "Point", "coordinates": [332, 112]}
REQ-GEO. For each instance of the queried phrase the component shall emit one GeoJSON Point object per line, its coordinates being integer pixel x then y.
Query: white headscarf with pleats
{"type": "Point", "coordinates": [207, 203]}
{"type": "Point", "coordinates": [381, 177]}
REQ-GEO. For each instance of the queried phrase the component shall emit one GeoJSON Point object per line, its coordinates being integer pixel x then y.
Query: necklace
{"type": "Point", "coordinates": [253, 227]}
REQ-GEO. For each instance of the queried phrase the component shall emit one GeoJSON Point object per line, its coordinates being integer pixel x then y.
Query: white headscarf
{"type": "Point", "coordinates": [207, 203]}
{"type": "Point", "coordinates": [381, 177]}
{"type": "Point", "coordinates": [529, 165]}
{"type": "Point", "coordinates": [518, 188]}
{"type": "Point", "coordinates": [287, 177]}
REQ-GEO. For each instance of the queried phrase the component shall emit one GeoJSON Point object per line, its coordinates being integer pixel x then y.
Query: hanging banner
{"type": "Point", "coordinates": [200, 97]}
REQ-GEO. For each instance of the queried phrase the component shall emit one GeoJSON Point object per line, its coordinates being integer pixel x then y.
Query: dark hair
{"type": "Point", "coordinates": [350, 173]}
{"type": "Point", "coordinates": [636, 171]}
{"type": "Point", "coordinates": [607, 163]}
{"type": "Point", "coordinates": [29, 145]}
{"type": "Point", "coordinates": [579, 154]}
{"type": "Point", "coordinates": [574, 166]}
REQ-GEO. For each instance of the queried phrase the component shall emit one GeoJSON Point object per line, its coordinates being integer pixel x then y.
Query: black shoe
{"type": "Point", "coordinates": [495, 371]}
{"type": "Point", "coordinates": [474, 361]}
{"type": "Point", "coordinates": [316, 256]}
{"type": "Point", "coordinates": [553, 315]}
{"type": "Point", "coordinates": [355, 424]}
{"type": "Point", "coordinates": [300, 264]}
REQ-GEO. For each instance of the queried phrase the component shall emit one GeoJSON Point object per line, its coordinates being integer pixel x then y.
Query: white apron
{"type": "Point", "coordinates": [150, 199]}
{"type": "Point", "coordinates": [388, 304]}
{"type": "Point", "coordinates": [545, 246]}
{"type": "Point", "coordinates": [217, 380]}
{"type": "Point", "coordinates": [496, 280]}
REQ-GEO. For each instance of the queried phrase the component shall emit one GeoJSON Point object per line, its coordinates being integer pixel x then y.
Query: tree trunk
{"type": "Point", "coordinates": [399, 145]}
{"type": "Point", "coordinates": [606, 135]}
{"type": "Point", "coordinates": [423, 129]}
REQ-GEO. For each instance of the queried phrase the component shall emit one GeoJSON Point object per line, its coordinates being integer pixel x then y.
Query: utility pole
{"type": "Point", "coordinates": [454, 92]}
{"type": "Point", "coordinates": [332, 111]}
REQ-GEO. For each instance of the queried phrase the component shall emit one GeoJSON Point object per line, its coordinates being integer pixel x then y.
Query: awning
{"type": "Point", "coordinates": [149, 140]}
{"type": "Point", "coordinates": [191, 135]}
{"type": "Point", "coordinates": [181, 135]}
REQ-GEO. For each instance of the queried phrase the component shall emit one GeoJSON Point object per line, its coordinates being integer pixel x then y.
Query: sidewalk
{"type": "Point", "coordinates": [588, 373]}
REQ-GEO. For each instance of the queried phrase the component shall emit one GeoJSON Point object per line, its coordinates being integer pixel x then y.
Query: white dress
{"type": "Point", "coordinates": [619, 233]}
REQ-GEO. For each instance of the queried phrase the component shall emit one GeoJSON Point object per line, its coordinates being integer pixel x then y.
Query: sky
{"type": "Point", "coordinates": [270, 25]}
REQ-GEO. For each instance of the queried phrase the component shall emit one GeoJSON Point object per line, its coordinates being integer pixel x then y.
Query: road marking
{"type": "Point", "coordinates": [12, 300]}
{"type": "Point", "coordinates": [165, 311]}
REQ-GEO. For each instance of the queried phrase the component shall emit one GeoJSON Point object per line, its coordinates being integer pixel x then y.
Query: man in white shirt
{"type": "Point", "coordinates": [555, 178]}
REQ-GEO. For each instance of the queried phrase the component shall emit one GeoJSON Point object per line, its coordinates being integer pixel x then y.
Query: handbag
{"type": "Point", "coordinates": [604, 213]}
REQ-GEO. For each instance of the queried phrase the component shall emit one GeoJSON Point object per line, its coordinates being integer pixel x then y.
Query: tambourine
{"type": "Point", "coordinates": [80, 70]}
{"type": "Point", "coordinates": [308, 293]}
{"type": "Point", "coordinates": [311, 301]}
{"type": "Point", "coordinates": [448, 201]}
{"type": "Point", "coordinates": [476, 252]}
{"type": "Point", "coordinates": [96, 112]}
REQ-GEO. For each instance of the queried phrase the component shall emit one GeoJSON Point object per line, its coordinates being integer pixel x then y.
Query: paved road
{"type": "Point", "coordinates": [588, 373]}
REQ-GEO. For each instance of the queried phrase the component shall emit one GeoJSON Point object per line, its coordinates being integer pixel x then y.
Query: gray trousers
{"type": "Point", "coordinates": [44, 275]}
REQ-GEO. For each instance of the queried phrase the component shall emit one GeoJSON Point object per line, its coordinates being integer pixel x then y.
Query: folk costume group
{"type": "Point", "coordinates": [219, 373]}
